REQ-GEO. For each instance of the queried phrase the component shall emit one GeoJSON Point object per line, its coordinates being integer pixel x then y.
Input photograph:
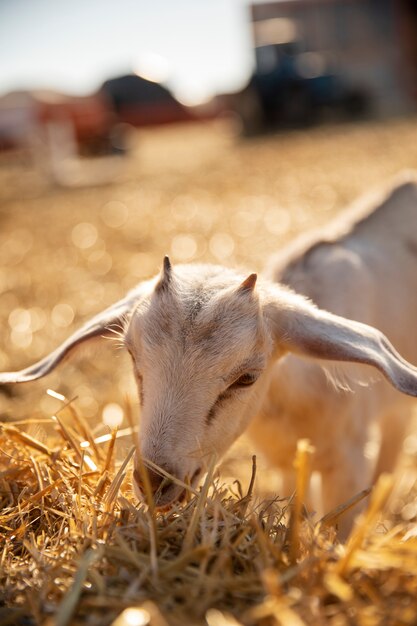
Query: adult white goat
{"type": "Point", "coordinates": [212, 350]}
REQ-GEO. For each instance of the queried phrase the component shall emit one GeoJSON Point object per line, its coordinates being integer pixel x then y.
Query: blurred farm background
{"type": "Point", "coordinates": [235, 129]}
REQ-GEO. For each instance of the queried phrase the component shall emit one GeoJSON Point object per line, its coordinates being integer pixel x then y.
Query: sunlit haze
{"type": "Point", "coordinates": [196, 47]}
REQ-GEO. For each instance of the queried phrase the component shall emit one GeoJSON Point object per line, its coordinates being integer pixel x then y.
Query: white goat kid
{"type": "Point", "coordinates": [212, 350]}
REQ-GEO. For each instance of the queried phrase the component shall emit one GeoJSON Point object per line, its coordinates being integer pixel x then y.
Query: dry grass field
{"type": "Point", "coordinates": [75, 547]}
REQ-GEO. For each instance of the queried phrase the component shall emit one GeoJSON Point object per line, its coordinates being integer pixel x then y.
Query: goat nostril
{"type": "Point", "coordinates": [165, 486]}
{"type": "Point", "coordinates": [155, 480]}
{"type": "Point", "coordinates": [158, 483]}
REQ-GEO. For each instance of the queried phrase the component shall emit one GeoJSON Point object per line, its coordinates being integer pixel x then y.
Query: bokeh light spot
{"type": "Point", "coordinates": [20, 320]}
{"type": "Point", "coordinates": [112, 415]}
{"type": "Point", "coordinates": [38, 318]}
{"type": "Point", "coordinates": [221, 246]}
{"type": "Point", "coordinates": [183, 247]}
{"type": "Point", "coordinates": [277, 221]}
{"type": "Point", "coordinates": [62, 315]}
{"type": "Point", "coordinates": [183, 208]}
{"type": "Point", "coordinates": [84, 235]}
{"type": "Point", "coordinates": [21, 339]}
{"type": "Point", "coordinates": [133, 617]}
{"type": "Point", "coordinates": [114, 214]}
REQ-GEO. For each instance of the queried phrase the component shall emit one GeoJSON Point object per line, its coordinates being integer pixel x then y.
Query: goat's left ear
{"type": "Point", "coordinates": [298, 326]}
{"type": "Point", "coordinates": [104, 324]}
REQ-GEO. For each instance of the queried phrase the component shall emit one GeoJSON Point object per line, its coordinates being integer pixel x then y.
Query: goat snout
{"type": "Point", "coordinates": [164, 491]}
{"type": "Point", "coordinates": [157, 480]}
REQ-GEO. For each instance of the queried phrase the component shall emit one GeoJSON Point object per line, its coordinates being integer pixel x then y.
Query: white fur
{"type": "Point", "coordinates": [196, 329]}
{"type": "Point", "coordinates": [362, 267]}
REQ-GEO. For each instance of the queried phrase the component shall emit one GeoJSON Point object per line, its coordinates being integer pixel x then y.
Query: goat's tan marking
{"type": "Point", "coordinates": [249, 283]}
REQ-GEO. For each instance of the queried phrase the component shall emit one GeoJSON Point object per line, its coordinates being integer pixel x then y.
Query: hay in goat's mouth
{"type": "Point", "coordinates": [77, 548]}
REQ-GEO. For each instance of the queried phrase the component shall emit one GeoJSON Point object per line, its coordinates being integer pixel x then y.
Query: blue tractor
{"type": "Point", "coordinates": [289, 88]}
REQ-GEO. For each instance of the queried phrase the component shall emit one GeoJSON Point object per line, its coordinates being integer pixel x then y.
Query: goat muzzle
{"type": "Point", "coordinates": [164, 491]}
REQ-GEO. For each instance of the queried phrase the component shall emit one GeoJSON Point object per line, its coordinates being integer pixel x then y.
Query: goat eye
{"type": "Point", "coordinates": [246, 380]}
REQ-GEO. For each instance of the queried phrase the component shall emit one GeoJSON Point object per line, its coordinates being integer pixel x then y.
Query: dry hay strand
{"type": "Point", "coordinates": [77, 548]}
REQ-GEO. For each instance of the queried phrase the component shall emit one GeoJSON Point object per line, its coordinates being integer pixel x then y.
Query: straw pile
{"type": "Point", "coordinates": [77, 548]}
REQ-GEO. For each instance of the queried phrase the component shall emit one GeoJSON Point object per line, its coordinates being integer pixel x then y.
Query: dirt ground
{"type": "Point", "coordinates": [197, 193]}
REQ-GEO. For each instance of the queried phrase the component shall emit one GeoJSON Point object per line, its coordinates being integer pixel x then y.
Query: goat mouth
{"type": "Point", "coordinates": [169, 493]}
{"type": "Point", "coordinates": [168, 497]}
{"type": "Point", "coordinates": [172, 493]}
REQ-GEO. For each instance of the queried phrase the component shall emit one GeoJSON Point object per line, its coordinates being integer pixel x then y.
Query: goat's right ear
{"type": "Point", "coordinates": [104, 324]}
{"type": "Point", "coordinates": [298, 326]}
